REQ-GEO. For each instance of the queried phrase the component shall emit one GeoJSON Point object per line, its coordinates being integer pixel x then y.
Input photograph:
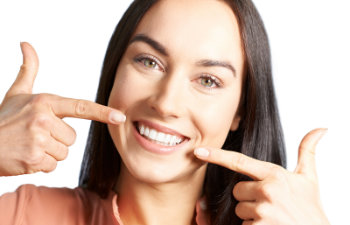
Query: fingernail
{"type": "Point", "coordinates": [202, 152]}
{"type": "Point", "coordinates": [117, 117]}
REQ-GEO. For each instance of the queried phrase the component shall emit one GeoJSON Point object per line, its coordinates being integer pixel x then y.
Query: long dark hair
{"type": "Point", "coordinates": [259, 134]}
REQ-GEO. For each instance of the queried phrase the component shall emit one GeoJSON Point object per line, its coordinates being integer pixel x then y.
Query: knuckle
{"type": "Point", "coordinates": [23, 67]}
{"type": "Point", "coordinates": [277, 172]}
{"type": "Point", "coordinates": [39, 140]}
{"type": "Point", "coordinates": [266, 191]}
{"type": "Point", "coordinates": [260, 211]}
{"type": "Point", "coordinates": [32, 160]}
{"type": "Point", "coordinates": [38, 119]}
{"type": "Point", "coordinates": [238, 162]}
{"type": "Point", "coordinates": [102, 113]}
{"type": "Point", "coordinates": [40, 99]}
{"type": "Point", "coordinates": [80, 107]}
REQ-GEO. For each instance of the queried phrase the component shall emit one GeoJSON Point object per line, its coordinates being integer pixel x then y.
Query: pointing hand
{"type": "Point", "coordinates": [275, 196]}
{"type": "Point", "coordinates": [33, 136]}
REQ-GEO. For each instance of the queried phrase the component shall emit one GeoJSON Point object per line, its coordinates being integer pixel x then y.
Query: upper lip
{"type": "Point", "coordinates": [162, 129]}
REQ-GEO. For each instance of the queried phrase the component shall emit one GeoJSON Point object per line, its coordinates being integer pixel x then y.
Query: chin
{"type": "Point", "coordinates": [147, 169]}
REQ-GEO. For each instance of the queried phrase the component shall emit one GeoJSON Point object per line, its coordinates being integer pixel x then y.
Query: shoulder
{"type": "Point", "coordinates": [39, 204]}
{"type": "Point", "coordinates": [49, 197]}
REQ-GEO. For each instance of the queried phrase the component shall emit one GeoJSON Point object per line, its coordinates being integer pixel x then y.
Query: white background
{"type": "Point", "coordinates": [310, 51]}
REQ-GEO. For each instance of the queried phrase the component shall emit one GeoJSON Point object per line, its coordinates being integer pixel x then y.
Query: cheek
{"type": "Point", "coordinates": [121, 97]}
{"type": "Point", "coordinates": [214, 122]}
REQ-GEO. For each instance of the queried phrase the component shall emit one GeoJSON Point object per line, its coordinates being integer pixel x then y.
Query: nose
{"type": "Point", "coordinates": [168, 101]}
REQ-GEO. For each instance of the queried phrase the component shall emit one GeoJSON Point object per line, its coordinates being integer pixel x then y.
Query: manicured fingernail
{"type": "Point", "coordinates": [202, 152]}
{"type": "Point", "coordinates": [117, 117]}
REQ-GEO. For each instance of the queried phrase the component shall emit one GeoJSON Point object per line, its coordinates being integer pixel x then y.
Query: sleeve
{"type": "Point", "coordinates": [32, 205]}
{"type": "Point", "coordinates": [12, 205]}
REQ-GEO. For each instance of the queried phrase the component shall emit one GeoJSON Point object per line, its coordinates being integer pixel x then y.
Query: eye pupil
{"type": "Point", "coordinates": [149, 63]}
{"type": "Point", "coordinates": [207, 82]}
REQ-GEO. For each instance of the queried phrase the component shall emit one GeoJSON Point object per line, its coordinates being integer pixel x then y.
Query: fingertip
{"type": "Point", "coordinates": [117, 117]}
{"type": "Point", "coordinates": [307, 151]}
{"type": "Point", "coordinates": [311, 139]}
{"type": "Point", "coordinates": [23, 44]}
{"type": "Point", "coordinates": [201, 152]}
{"type": "Point", "coordinates": [318, 133]}
{"type": "Point", "coordinates": [30, 56]}
{"type": "Point", "coordinates": [324, 131]}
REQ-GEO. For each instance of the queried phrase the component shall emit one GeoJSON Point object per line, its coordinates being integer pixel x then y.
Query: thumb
{"type": "Point", "coordinates": [306, 157]}
{"type": "Point", "coordinates": [26, 76]}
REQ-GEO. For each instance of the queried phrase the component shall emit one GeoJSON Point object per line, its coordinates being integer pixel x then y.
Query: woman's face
{"type": "Point", "coordinates": [179, 84]}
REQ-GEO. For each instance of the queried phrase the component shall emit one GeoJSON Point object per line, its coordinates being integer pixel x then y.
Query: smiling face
{"type": "Point", "coordinates": [179, 84]}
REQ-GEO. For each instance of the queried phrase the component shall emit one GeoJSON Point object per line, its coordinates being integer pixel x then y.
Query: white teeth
{"type": "Point", "coordinates": [153, 134]}
{"type": "Point", "coordinates": [146, 131]}
{"type": "Point", "coordinates": [167, 138]}
{"type": "Point", "coordinates": [142, 130]}
{"type": "Point", "coordinates": [159, 137]}
{"type": "Point", "coordinates": [173, 139]}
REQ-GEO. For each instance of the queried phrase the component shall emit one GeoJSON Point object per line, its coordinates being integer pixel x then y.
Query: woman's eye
{"type": "Point", "coordinates": [149, 62]}
{"type": "Point", "coordinates": [209, 81]}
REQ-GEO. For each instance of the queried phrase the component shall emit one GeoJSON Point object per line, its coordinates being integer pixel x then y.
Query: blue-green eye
{"type": "Point", "coordinates": [149, 62]}
{"type": "Point", "coordinates": [209, 81]}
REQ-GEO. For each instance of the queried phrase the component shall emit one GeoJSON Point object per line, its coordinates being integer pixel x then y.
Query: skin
{"type": "Point", "coordinates": [204, 114]}
{"type": "Point", "coordinates": [276, 196]}
{"type": "Point", "coordinates": [33, 135]}
{"type": "Point", "coordinates": [165, 189]}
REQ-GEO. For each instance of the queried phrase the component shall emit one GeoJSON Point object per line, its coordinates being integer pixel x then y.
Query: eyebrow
{"type": "Point", "coordinates": [161, 49]}
{"type": "Point", "coordinates": [209, 63]}
{"type": "Point", "coordinates": [153, 43]}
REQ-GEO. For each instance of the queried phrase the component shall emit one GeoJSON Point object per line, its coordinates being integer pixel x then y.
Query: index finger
{"type": "Point", "coordinates": [255, 169]}
{"type": "Point", "coordinates": [84, 109]}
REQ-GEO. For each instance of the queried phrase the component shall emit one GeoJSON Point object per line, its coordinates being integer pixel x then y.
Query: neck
{"type": "Point", "coordinates": [170, 203]}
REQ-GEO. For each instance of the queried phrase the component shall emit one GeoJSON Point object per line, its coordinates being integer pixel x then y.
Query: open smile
{"type": "Point", "coordinates": [157, 138]}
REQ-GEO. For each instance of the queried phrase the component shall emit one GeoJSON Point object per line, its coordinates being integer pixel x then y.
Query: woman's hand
{"type": "Point", "coordinates": [276, 196]}
{"type": "Point", "coordinates": [33, 136]}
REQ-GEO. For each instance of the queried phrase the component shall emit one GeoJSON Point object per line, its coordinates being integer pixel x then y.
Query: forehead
{"type": "Point", "coordinates": [201, 27]}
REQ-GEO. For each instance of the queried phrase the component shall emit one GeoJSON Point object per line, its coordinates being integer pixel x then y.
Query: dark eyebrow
{"type": "Point", "coordinates": [209, 62]}
{"type": "Point", "coordinates": [161, 49]}
{"type": "Point", "coordinates": [153, 43]}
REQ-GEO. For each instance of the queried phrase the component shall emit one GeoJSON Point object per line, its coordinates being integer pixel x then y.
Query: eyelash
{"type": "Point", "coordinates": [140, 59]}
{"type": "Point", "coordinates": [215, 80]}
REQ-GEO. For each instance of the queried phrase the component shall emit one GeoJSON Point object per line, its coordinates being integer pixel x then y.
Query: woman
{"type": "Point", "coordinates": [188, 85]}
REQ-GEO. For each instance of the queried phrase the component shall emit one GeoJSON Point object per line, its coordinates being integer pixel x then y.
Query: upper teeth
{"type": "Point", "coordinates": [159, 137]}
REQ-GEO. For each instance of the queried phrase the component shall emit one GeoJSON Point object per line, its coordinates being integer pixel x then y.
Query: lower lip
{"type": "Point", "coordinates": [154, 147]}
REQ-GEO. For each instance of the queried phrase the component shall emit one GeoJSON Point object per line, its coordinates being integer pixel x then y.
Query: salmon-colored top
{"type": "Point", "coordinates": [31, 205]}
